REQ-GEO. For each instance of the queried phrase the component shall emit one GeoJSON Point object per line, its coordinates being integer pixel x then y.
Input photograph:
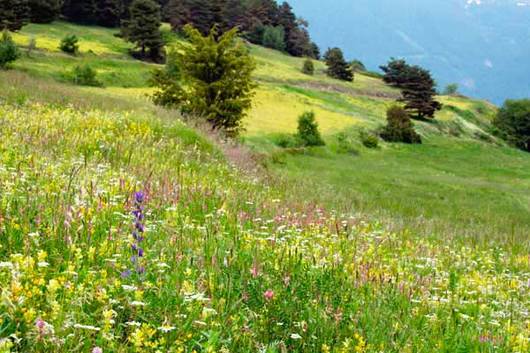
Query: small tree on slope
{"type": "Point", "coordinates": [337, 66]}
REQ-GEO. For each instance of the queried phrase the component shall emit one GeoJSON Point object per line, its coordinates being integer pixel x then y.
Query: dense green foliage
{"type": "Point", "coordinates": [260, 21]}
{"type": "Point", "coordinates": [513, 123]}
{"type": "Point", "coordinates": [274, 37]}
{"type": "Point", "coordinates": [337, 66]}
{"type": "Point", "coordinates": [308, 68]}
{"type": "Point", "coordinates": [209, 77]}
{"type": "Point", "coordinates": [399, 127]}
{"type": "Point", "coordinates": [8, 50]}
{"type": "Point", "coordinates": [417, 87]}
{"type": "Point", "coordinates": [357, 66]}
{"type": "Point", "coordinates": [14, 14]}
{"type": "Point", "coordinates": [69, 44]}
{"type": "Point", "coordinates": [84, 75]}
{"type": "Point", "coordinates": [143, 29]}
{"type": "Point", "coordinates": [45, 11]}
{"type": "Point", "coordinates": [308, 130]}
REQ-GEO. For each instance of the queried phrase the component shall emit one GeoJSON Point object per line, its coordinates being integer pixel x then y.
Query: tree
{"type": "Point", "coordinates": [513, 123]}
{"type": "Point", "coordinates": [417, 87]}
{"type": "Point", "coordinates": [143, 29]}
{"type": "Point", "coordinates": [109, 12]}
{"type": "Point", "coordinates": [451, 89]}
{"type": "Point", "coordinates": [357, 66]}
{"type": "Point", "coordinates": [69, 44]}
{"type": "Point", "coordinates": [274, 37]}
{"type": "Point", "coordinates": [308, 130]}
{"type": "Point", "coordinates": [337, 66]}
{"type": "Point", "coordinates": [14, 14]}
{"type": "Point", "coordinates": [209, 77]}
{"type": "Point", "coordinates": [399, 127]}
{"type": "Point", "coordinates": [309, 67]}
{"type": "Point", "coordinates": [80, 11]}
{"type": "Point", "coordinates": [45, 11]}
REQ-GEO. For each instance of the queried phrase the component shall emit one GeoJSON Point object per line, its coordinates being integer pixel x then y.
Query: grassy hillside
{"type": "Point", "coordinates": [303, 260]}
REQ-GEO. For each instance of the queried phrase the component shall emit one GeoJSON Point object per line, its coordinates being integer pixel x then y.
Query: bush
{"type": "Point", "coordinates": [274, 37]}
{"type": "Point", "coordinates": [84, 75]}
{"type": "Point", "coordinates": [308, 130]}
{"type": "Point", "coordinates": [368, 139]}
{"type": "Point", "coordinates": [309, 67]}
{"type": "Point", "coordinates": [69, 44]}
{"type": "Point", "coordinates": [357, 66]}
{"type": "Point", "coordinates": [287, 141]}
{"type": "Point", "coordinates": [399, 127]}
{"type": "Point", "coordinates": [8, 50]}
{"type": "Point", "coordinates": [345, 144]}
{"type": "Point", "coordinates": [513, 123]}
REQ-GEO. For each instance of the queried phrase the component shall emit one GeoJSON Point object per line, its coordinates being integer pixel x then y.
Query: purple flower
{"type": "Point", "coordinates": [139, 197]}
{"type": "Point", "coordinates": [137, 233]}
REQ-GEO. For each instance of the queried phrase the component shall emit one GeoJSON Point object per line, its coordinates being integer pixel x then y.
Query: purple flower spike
{"type": "Point", "coordinates": [139, 197]}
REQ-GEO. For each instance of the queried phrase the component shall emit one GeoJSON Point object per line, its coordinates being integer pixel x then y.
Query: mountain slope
{"type": "Point", "coordinates": [484, 46]}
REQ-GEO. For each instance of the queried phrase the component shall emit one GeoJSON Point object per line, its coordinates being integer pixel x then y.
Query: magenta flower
{"type": "Point", "coordinates": [269, 294]}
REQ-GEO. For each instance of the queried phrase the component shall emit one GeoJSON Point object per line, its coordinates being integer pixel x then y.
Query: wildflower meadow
{"type": "Point", "coordinates": [120, 233]}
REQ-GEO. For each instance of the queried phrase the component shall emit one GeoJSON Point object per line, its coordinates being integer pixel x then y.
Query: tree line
{"type": "Point", "coordinates": [263, 22]}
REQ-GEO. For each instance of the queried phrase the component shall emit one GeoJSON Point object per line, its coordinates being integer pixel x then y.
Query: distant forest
{"type": "Point", "coordinates": [263, 22]}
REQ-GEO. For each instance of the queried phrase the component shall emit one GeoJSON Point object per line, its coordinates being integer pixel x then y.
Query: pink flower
{"type": "Point", "coordinates": [97, 350]}
{"type": "Point", "coordinates": [269, 294]}
{"type": "Point", "coordinates": [40, 324]}
{"type": "Point", "coordinates": [254, 271]}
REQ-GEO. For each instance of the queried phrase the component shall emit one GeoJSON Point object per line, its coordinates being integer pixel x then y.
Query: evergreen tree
{"type": "Point", "coordinates": [308, 130]}
{"type": "Point", "coordinates": [81, 11]}
{"type": "Point", "coordinates": [235, 15]}
{"type": "Point", "coordinates": [14, 14]}
{"type": "Point", "coordinates": [143, 28]}
{"type": "Point", "coordinates": [417, 87]}
{"type": "Point", "coordinates": [337, 66]}
{"type": "Point", "coordinates": [399, 127]}
{"type": "Point", "coordinates": [8, 50]}
{"type": "Point", "coordinates": [179, 12]}
{"type": "Point", "coordinates": [308, 68]}
{"type": "Point", "coordinates": [109, 12]}
{"type": "Point", "coordinates": [45, 11]}
{"type": "Point", "coordinates": [217, 71]}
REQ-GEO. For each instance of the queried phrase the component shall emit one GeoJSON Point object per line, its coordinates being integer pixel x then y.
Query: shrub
{"type": "Point", "coordinates": [309, 67]}
{"type": "Point", "coordinates": [274, 37]}
{"type": "Point", "coordinates": [513, 123]}
{"type": "Point", "coordinates": [368, 139]}
{"type": "Point", "coordinates": [84, 75]}
{"type": "Point", "coordinates": [399, 127]}
{"type": "Point", "coordinates": [287, 141]}
{"type": "Point", "coordinates": [357, 66]}
{"type": "Point", "coordinates": [308, 130]}
{"type": "Point", "coordinates": [69, 44]}
{"type": "Point", "coordinates": [8, 50]}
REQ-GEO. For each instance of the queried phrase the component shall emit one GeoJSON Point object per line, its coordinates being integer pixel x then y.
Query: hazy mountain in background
{"type": "Point", "coordinates": [483, 45]}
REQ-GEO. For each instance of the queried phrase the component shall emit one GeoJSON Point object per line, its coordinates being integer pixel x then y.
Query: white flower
{"type": "Point", "coordinates": [166, 328]}
{"type": "Point", "coordinates": [86, 327]}
{"type": "Point", "coordinates": [295, 336]}
{"type": "Point", "coordinates": [6, 265]}
{"type": "Point", "coordinates": [128, 288]}
{"type": "Point", "coordinates": [137, 303]}
{"type": "Point", "coordinates": [133, 323]}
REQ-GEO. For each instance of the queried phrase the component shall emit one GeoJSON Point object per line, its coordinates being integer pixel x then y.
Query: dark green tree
{"type": "Point", "coordinates": [274, 37]}
{"type": "Point", "coordinates": [109, 12]}
{"type": "Point", "coordinates": [8, 50]}
{"type": "Point", "coordinates": [179, 12]}
{"type": "Point", "coordinates": [337, 66]}
{"type": "Point", "coordinates": [45, 11]}
{"type": "Point", "coordinates": [14, 14]}
{"type": "Point", "coordinates": [308, 130]}
{"type": "Point", "coordinates": [209, 77]}
{"type": "Point", "coordinates": [143, 29]}
{"type": "Point", "coordinates": [451, 89]}
{"type": "Point", "coordinates": [417, 87]}
{"type": "Point", "coordinates": [81, 11]}
{"type": "Point", "coordinates": [399, 127]}
{"type": "Point", "coordinates": [357, 66]}
{"type": "Point", "coordinates": [513, 123]}
{"type": "Point", "coordinates": [69, 44]}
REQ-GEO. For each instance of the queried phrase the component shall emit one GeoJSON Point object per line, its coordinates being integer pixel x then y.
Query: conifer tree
{"type": "Point", "coordinates": [217, 71]}
{"type": "Point", "coordinates": [14, 14]}
{"type": "Point", "coordinates": [81, 11]}
{"type": "Point", "coordinates": [417, 86]}
{"type": "Point", "coordinates": [399, 127]}
{"type": "Point", "coordinates": [337, 66]}
{"type": "Point", "coordinates": [143, 28]}
{"type": "Point", "coordinates": [45, 11]}
{"type": "Point", "coordinates": [109, 12]}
